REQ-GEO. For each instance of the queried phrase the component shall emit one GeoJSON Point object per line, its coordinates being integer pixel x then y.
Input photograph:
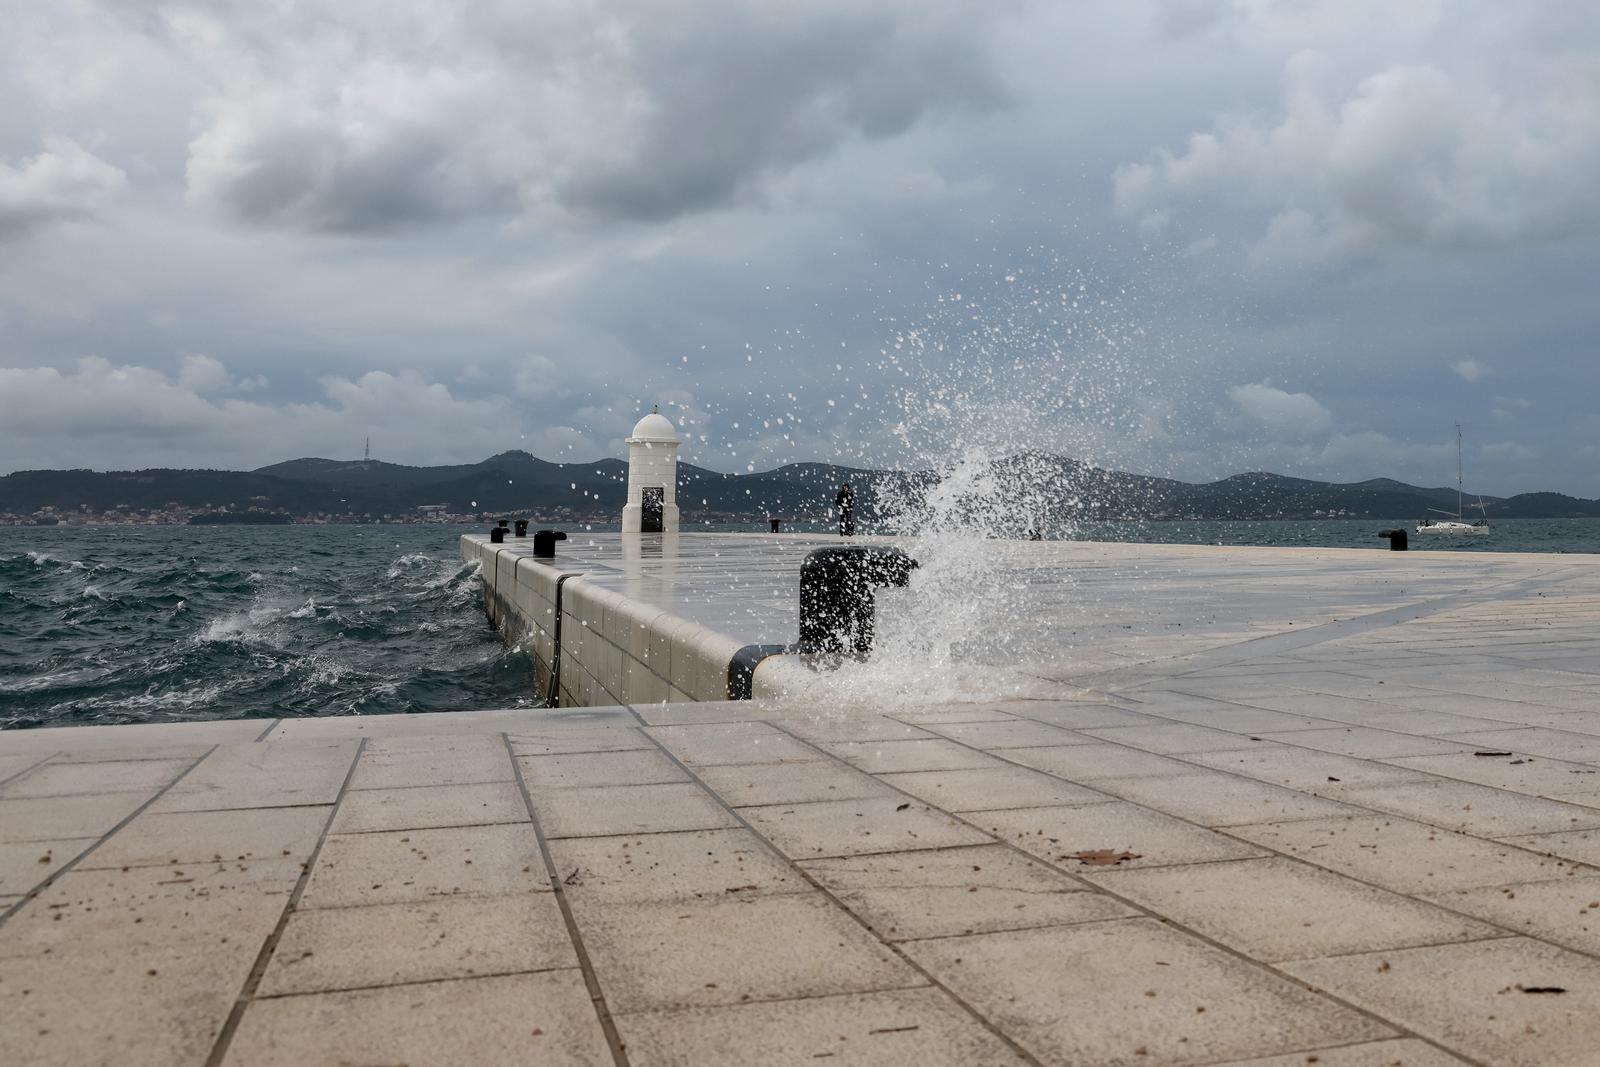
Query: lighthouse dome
{"type": "Point", "coordinates": [654, 427]}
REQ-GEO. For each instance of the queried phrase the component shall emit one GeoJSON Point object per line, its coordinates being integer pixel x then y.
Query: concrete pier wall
{"type": "Point", "coordinates": [613, 649]}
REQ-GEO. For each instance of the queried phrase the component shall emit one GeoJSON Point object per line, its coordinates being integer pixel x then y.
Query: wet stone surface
{"type": "Point", "coordinates": [1261, 844]}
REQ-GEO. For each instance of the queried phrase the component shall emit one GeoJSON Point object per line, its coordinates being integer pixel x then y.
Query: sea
{"type": "Point", "coordinates": [127, 624]}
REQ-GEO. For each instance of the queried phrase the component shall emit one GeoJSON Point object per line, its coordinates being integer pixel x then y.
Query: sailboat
{"type": "Point", "coordinates": [1457, 525]}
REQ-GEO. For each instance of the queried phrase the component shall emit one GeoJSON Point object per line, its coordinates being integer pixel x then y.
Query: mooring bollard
{"type": "Point", "coordinates": [497, 536]}
{"type": "Point", "coordinates": [776, 525]}
{"type": "Point", "coordinates": [1398, 539]}
{"type": "Point", "coordinates": [836, 595]}
{"type": "Point", "coordinates": [544, 543]}
{"type": "Point", "coordinates": [522, 527]}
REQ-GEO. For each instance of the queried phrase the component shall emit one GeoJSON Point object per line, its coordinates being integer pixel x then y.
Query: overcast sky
{"type": "Point", "coordinates": [1188, 238]}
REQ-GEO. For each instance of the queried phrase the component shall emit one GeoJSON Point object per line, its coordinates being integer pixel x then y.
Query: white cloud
{"type": "Point", "coordinates": [202, 374]}
{"type": "Point", "coordinates": [1471, 370]}
{"type": "Point", "coordinates": [1282, 413]}
{"type": "Point", "coordinates": [1510, 408]}
{"type": "Point", "coordinates": [99, 410]}
{"type": "Point", "coordinates": [1510, 452]}
{"type": "Point", "coordinates": [62, 182]}
{"type": "Point", "coordinates": [1419, 155]}
{"type": "Point", "coordinates": [1370, 454]}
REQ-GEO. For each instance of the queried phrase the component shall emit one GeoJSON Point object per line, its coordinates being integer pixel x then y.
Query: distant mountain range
{"type": "Point", "coordinates": [1049, 489]}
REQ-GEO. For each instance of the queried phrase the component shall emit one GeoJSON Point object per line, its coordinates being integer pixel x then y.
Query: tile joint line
{"type": "Point", "coordinates": [253, 980]}
{"type": "Point", "coordinates": [591, 980]}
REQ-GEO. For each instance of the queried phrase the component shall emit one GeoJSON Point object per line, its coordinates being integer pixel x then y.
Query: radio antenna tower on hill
{"type": "Point", "coordinates": [366, 453]}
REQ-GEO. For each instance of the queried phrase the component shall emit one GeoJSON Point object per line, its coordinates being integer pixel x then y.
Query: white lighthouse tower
{"type": "Point", "coordinates": [652, 505]}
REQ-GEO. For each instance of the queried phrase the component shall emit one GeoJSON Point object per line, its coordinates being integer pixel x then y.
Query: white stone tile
{"type": "Point", "coordinates": [745, 785]}
{"type": "Point", "coordinates": [1402, 855]}
{"type": "Point", "coordinates": [266, 774]}
{"type": "Point", "coordinates": [1154, 839]}
{"type": "Point", "coordinates": [80, 779]}
{"type": "Point", "coordinates": [23, 865]}
{"type": "Point", "coordinates": [1280, 909]}
{"type": "Point", "coordinates": [506, 1021]}
{"type": "Point", "coordinates": [913, 1026]}
{"type": "Point", "coordinates": [1143, 986]}
{"type": "Point", "coordinates": [405, 866]}
{"type": "Point", "coordinates": [387, 944]}
{"type": "Point", "coordinates": [419, 807]}
{"type": "Point", "coordinates": [633, 809]}
{"type": "Point", "coordinates": [58, 818]}
{"type": "Point", "coordinates": [1217, 799]}
{"type": "Point", "coordinates": [1086, 763]}
{"type": "Point", "coordinates": [989, 788]}
{"type": "Point", "coordinates": [162, 838]}
{"type": "Point", "coordinates": [884, 757]}
{"type": "Point", "coordinates": [698, 864]}
{"type": "Point", "coordinates": [678, 954]}
{"type": "Point", "coordinates": [953, 891]}
{"type": "Point", "coordinates": [858, 826]}
{"type": "Point", "coordinates": [1480, 1011]}
{"type": "Point", "coordinates": [712, 744]}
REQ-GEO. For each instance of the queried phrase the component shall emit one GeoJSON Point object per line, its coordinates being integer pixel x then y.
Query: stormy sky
{"type": "Point", "coordinates": [1182, 237]}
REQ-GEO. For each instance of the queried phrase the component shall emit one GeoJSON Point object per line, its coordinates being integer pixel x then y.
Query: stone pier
{"type": "Point", "coordinates": [1266, 807]}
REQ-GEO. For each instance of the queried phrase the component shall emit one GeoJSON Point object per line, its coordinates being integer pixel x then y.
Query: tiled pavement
{"type": "Point", "coordinates": [1348, 843]}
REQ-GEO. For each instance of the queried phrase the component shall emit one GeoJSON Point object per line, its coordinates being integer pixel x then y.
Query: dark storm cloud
{"type": "Point", "coordinates": [636, 111]}
{"type": "Point", "coordinates": [731, 92]}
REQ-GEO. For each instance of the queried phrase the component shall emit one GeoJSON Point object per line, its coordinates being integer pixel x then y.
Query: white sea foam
{"type": "Point", "coordinates": [200, 696]}
{"type": "Point", "coordinates": [37, 682]}
{"type": "Point", "coordinates": [325, 672]}
{"type": "Point", "coordinates": [240, 627]}
{"type": "Point", "coordinates": [400, 567]}
{"type": "Point", "coordinates": [91, 592]}
{"type": "Point", "coordinates": [39, 559]}
{"type": "Point", "coordinates": [454, 572]}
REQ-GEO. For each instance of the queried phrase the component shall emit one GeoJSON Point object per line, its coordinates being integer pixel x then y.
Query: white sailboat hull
{"type": "Point", "coordinates": [1451, 528]}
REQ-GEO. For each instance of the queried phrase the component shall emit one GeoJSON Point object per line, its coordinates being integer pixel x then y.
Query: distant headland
{"type": "Point", "coordinates": [325, 490]}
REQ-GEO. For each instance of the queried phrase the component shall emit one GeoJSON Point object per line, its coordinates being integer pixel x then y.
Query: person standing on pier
{"type": "Point", "coordinates": [845, 502]}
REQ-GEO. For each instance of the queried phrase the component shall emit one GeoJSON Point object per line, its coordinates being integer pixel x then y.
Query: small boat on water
{"type": "Point", "coordinates": [1456, 525]}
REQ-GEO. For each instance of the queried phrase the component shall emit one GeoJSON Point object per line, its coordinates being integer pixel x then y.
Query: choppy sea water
{"type": "Point", "coordinates": [1509, 535]}
{"type": "Point", "coordinates": [118, 624]}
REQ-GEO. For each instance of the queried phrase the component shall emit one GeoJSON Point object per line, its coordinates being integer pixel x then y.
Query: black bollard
{"type": "Point", "coordinates": [497, 536]}
{"type": "Point", "coordinates": [1399, 541]}
{"type": "Point", "coordinates": [544, 543]}
{"type": "Point", "coordinates": [776, 525]}
{"type": "Point", "coordinates": [522, 527]}
{"type": "Point", "coordinates": [836, 595]}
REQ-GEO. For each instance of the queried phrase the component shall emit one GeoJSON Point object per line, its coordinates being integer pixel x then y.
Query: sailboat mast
{"type": "Point", "coordinates": [1458, 470]}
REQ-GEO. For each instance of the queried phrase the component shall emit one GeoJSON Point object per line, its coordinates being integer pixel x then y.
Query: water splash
{"type": "Point", "coordinates": [994, 392]}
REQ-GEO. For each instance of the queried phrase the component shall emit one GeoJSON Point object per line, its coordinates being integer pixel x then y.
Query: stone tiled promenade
{"type": "Point", "coordinates": [1356, 805]}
